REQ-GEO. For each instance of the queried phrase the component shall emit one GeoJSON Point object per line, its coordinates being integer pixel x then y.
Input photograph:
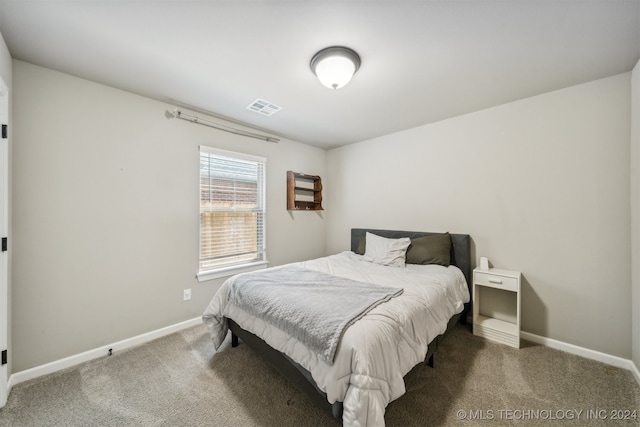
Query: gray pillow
{"type": "Point", "coordinates": [362, 245]}
{"type": "Point", "coordinates": [434, 249]}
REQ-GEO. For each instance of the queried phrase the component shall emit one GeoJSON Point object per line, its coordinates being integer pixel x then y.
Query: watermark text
{"type": "Point", "coordinates": [547, 414]}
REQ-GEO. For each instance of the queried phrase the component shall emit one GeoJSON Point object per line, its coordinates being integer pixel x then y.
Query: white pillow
{"type": "Point", "coordinates": [381, 250]}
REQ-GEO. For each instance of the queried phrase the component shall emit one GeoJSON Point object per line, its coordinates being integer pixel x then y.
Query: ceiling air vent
{"type": "Point", "coordinates": [263, 107]}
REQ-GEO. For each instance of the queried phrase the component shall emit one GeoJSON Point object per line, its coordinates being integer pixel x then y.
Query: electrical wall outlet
{"type": "Point", "coordinates": [187, 294]}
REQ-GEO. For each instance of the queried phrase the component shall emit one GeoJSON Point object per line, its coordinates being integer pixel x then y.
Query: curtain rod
{"type": "Point", "coordinates": [193, 119]}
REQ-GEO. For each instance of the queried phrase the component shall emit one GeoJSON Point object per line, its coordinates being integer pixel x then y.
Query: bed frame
{"type": "Point", "coordinates": [300, 377]}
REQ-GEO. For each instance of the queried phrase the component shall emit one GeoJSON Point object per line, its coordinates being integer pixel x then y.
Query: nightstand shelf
{"type": "Point", "coordinates": [496, 305]}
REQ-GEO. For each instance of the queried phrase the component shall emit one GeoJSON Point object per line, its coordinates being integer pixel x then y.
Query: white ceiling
{"type": "Point", "coordinates": [422, 61]}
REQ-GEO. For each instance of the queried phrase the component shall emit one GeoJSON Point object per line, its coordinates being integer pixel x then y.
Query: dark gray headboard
{"type": "Point", "coordinates": [460, 246]}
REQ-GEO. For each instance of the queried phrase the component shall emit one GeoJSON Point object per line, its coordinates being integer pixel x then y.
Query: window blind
{"type": "Point", "coordinates": [232, 209]}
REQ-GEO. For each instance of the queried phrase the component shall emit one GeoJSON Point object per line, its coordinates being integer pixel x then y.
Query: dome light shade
{"type": "Point", "coordinates": [335, 66]}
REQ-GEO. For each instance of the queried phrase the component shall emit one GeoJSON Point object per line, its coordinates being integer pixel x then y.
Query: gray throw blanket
{"type": "Point", "coordinates": [313, 307]}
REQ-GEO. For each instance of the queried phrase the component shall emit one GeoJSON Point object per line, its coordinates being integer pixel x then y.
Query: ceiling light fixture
{"type": "Point", "coordinates": [335, 66]}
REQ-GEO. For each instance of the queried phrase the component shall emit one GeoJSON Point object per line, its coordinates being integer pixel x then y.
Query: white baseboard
{"type": "Point", "coordinates": [103, 351]}
{"type": "Point", "coordinates": [616, 361]}
{"type": "Point", "coordinates": [634, 370]}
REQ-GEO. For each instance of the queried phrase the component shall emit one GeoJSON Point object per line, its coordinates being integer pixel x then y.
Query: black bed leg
{"type": "Point", "coordinates": [430, 361]}
{"type": "Point", "coordinates": [234, 340]}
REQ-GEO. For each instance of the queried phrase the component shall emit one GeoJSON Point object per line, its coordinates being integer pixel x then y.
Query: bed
{"type": "Point", "coordinates": [376, 350]}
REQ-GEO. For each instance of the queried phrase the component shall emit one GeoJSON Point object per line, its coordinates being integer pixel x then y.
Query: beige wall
{"type": "Point", "coordinates": [635, 214]}
{"type": "Point", "coordinates": [541, 185]}
{"type": "Point", "coordinates": [106, 214]}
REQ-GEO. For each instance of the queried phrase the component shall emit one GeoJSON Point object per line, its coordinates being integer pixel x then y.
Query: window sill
{"type": "Point", "coordinates": [203, 276]}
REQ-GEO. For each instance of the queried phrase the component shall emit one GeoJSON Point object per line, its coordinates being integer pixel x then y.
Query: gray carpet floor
{"type": "Point", "coordinates": [179, 380]}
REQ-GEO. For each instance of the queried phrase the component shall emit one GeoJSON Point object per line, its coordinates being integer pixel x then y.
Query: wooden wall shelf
{"type": "Point", "coordinates": [304, 192]}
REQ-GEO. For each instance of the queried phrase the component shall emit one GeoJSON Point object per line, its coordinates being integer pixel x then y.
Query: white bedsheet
{"type": "Point", "coordinates": [378, 350]}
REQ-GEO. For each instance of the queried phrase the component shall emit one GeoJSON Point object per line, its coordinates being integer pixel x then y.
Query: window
{"type": "Point", "coordinates": [232, 212]}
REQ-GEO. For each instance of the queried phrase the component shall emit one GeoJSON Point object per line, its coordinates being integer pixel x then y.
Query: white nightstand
{"type": "Point", "coordinates": [496, 305]}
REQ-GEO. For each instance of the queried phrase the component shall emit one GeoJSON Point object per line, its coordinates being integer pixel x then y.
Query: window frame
{"type": "Point", "coordinates": [231, 269]}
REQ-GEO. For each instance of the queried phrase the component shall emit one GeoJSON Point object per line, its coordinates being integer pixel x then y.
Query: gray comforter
{"type": "Point", "coordinates": [312, 306]}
